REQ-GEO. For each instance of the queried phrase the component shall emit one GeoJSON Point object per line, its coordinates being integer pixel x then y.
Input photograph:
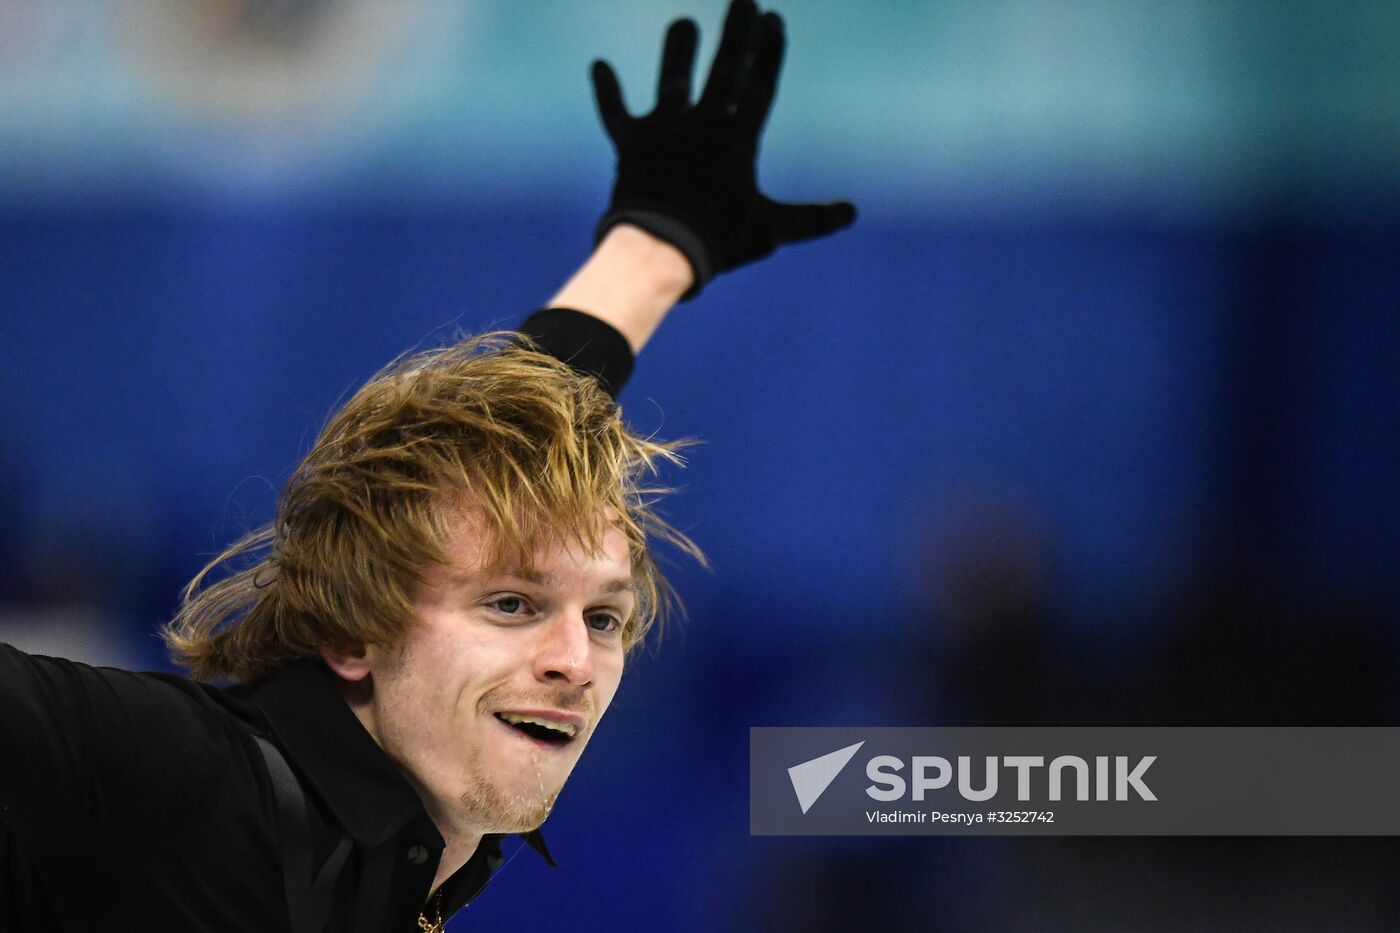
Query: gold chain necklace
{"type": "Point", "coordinates": [435, 925]}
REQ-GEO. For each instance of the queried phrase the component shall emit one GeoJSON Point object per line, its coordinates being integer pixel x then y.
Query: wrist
{"type": "Point", "coordinates": [671, 230]}
{"type": "Point", "coordinates": [654, 261]}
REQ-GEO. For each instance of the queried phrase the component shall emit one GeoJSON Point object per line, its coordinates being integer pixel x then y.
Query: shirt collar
{"type": "Point", "coordinates": [364, 789]}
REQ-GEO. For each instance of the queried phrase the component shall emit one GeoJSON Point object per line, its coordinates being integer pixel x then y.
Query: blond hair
{"type": "Point", "coordinates": [540, 450]}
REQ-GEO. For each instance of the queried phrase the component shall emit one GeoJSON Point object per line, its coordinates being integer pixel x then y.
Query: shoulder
{"type": "Point", "coordinates": [123, 736]}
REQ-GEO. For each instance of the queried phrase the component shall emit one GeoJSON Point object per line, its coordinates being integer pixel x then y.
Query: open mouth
{"type": "Point", "coordinates": [556, 734]}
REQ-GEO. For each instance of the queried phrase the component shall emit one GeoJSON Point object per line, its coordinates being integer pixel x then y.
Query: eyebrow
{"type": "Point", "coordinates": [612, 587]}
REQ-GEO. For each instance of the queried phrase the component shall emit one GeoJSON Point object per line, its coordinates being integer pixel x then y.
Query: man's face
{"type": "Point", "coordinates": [501, 679]}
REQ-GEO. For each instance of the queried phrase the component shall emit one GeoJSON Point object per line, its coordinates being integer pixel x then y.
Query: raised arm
{"type": "Point", "coordinates": [603, 316]}
{"type": "Point", "coordinates": [630, 282]}
{"type": "Point", "coordinates": [685, 204]}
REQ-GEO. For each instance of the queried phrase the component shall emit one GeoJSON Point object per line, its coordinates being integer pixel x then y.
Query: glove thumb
{"type": "Point", "coordinates": [795, 222]}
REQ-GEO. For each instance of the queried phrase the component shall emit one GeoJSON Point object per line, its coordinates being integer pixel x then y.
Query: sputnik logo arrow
{"type": "Point", "coordinates": [811, 778]}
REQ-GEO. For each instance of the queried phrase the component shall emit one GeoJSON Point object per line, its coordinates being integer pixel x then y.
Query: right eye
{"type": "Point", "coordinates": [510, 605]}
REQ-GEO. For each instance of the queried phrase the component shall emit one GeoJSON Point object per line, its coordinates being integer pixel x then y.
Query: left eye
{"type": "Point", "coordinates": [603, 622]}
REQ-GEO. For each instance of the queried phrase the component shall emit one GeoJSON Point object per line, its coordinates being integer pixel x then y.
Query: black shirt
{"type": "Point", "coordinates": [141, 802]}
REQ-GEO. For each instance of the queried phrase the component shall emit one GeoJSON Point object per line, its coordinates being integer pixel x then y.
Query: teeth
{"type": "Point", "coordinates": [563, 727]}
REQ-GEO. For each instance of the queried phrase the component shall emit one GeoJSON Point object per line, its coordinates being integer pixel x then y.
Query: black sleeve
{"type": "Point", "coordinates": [86, 751]}
{"type": "Point", "coordinates": [590, 346]}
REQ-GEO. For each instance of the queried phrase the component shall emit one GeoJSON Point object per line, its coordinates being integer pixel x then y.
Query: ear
{"type": "Point", "coordinates": [351, 663]}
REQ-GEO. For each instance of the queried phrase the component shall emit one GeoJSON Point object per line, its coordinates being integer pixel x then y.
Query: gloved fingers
{"type": "Point", "coordinates": [732, 57]}
{"type": "Point", "coordinates": [677, 66]}
{"type": "Point", "coordinates": [794, 222]}
{"type": "Point", "coordinates": [757, 97]}
{"type": "Point", "coordinates": [608, 94]}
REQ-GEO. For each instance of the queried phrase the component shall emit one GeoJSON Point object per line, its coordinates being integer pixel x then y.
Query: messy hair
{"type": "Point", "coordinates": [540, 450]}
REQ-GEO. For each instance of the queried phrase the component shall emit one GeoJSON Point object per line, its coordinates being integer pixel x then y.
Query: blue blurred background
{"type": "Point", "coordinates": [1090, 419]}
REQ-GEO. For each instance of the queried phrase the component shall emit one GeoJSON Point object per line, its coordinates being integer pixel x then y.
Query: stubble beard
{"type": "Point", "coordinates": [499, 809]}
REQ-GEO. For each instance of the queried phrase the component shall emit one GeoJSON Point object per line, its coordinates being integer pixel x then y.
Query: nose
{"type": "Point", "coordinates": [565, 652]}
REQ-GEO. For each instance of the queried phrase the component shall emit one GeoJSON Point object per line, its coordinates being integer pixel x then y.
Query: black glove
{"type": "Point", "coordinates": [686, 172]}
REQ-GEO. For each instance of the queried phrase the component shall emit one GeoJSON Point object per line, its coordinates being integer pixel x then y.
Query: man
{"type": "Point", "coordinates": [425, 638]}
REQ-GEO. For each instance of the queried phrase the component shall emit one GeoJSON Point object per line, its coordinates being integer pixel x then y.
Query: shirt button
{"type": "Point", "coordinates": [418, 855]}
{"type": "Point", "coordinates": [494, 860]}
